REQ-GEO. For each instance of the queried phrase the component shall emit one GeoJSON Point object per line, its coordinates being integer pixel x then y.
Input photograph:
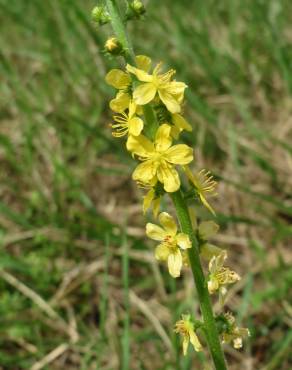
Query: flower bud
{"type": "Point", "coordinates": [113, 46]}
{"type": "Point", "coordinates": [100, 15]}
{"type": "Point", "coordinates": [135, 10]}
{"type": "Point", "coordinates": [138, 7]}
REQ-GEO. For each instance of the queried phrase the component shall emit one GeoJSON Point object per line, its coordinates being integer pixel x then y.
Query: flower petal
{"type": "Point", "coordinates": [168, 223]}
{"type": "Point", "coordinates": [155, 232]}
{"type": "Point", "coordinates": [143, 62]}
{"type": "Point", "coordinates": [207, 229]}
{"type": "Point", "coordinates": [181, 123]}
{"type": "Point", "coordinates": [169, 177]}
{"type": "Point", "coordinates": [209, 250]}
{"type": "Point", "coordinates": [169, 100]}
{"type": "Point", "coordinates": [163, 139]}
{"type": "Point", "coordinates": [144, 93]}
{"type": "Point", "coordinates": [139, 73]}
{"type": "Point", "coordinates": [140, 146]}
{"type": "Point", "coordinates": [161, 252]}
{"type": "Point", "coordinates": [195, 341]}
{"type": "Point", "coordinates": [176, 88]}
{"type": "Point", "coordinates": [179, 154]}
{"type": "Point", "coordinates": [118, 78]}
{"type": "Point", "coordinates": [145, 171]}
{"type": "Point", "coordinates": [185, 344]}
{"type": "Point", "coordinates": [147, 200]}
{"type": "Point", "coordinates": [174, 262]}
{"type": "Point", "coordinates": [135, 126]}
{"type": "Point", "coordinates": [120, 103]}
{"type": "Point", "coordinates": [183, 240]}
{"type": "Point", "coordinates": [156, 206]}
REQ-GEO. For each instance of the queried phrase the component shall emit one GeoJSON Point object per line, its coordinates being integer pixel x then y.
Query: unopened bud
{"type": "Point", "coordinates": [135, 10]}
{"type": "Point", "coordinates": [138, 7]}
{"type": "Point", "coordinates": [113, 46]}
{"type": "Point", "coordinates": [100, 15]}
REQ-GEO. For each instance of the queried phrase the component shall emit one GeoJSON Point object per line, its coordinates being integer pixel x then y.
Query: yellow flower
{"type": "Point", "coordinates": [159, 158]}
{"type": "Point", "coordinates": [185, 328]}
{"type": "Point", "coordinates": [127, 123]}
{"type": "Point", "coordinates": [220, 276]}
{"type": "Point", "coordinates": [204, 185]}
{"type": "Point", "coordinates": [170, 92]}
{"type": "Point", "coordinates": [172, 243]}
{"type": "Point", "coordinates": [122, 81]}
{"type": "Point", "coordinates": [234, 333]}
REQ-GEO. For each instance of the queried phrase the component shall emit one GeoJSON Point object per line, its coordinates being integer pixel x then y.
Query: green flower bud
{"type": "Point", "coordinates": [100, 15]}
{"type": "Point", "coordinates": [135, 10]}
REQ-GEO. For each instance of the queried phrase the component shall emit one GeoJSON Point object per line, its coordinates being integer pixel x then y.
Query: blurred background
{"type": "Point", "coordinates": [80, 288]}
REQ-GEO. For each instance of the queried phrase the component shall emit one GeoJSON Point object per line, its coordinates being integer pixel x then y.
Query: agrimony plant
{"type": "Point", "coordinates": [148, 114]}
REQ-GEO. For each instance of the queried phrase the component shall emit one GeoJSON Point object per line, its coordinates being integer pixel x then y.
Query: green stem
{"type": "Point", "coordinates": [181, 208]}
{"type": "Point", "coordinates": [120, 30]}
{"type": "Point", "coordinates": [200, 282]}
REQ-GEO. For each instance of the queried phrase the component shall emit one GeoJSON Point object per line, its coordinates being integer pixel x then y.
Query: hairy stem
{"type": "Point", "coordinates": [200, 282]}
{"type": "Point", "coordinates": [181, 208]}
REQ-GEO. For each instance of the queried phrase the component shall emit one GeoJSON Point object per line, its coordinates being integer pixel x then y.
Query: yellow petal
{"type": "Point", "coordinates": [169, 177]}
{"type": "Point", "coordinates": [212, 265]}
{"type": "Point", "coordinates": [174, 262]}
{"type": "Point", "coordinates": [181, 123]}
{"type": "Point", "coordinates": [120, 103]}
{"type": "Point", "coordinates": [139, 73]}
{"type": "Point", "coordinates": [118, 78]}
{"type": "Point", "coordinates": [135, 126]}
{"type": "Point", "coordinates": [185, 344]}
{"type": "Point", "coordinates": [147, 200]}
{"type": "Point", "coordinates": [195, 341]}
{"type": "Point", "coordinates": [209, 250]}
{"type": "Point", "coordinates": [176, 88]}
{"type": "Point", "coordinates": [207, 229]}
{"type": "Point", "coordinates": [179, 154]}
{"type": "Point", "coordinates": [145, 171]}
{"type": "Point", "coordinates": [156, 206]}
{"type": "Point", "coordinates": [213, 286]}
{"type": "Point", "coordinates": [168, 223]}
{"type": "Point", "coordinates": [161, 252]}
{"type": "Point", "coordinates": [132, 108]}
{"type": "Point", "coordinates": [144, 93]}
{"type": "Point", "coordinates": [175, 132]}
{"type": "Point", "coordinates": [162, 138]}
{"type": "Point", "coordinates": [140, 146]}
{"type": "Point", "coordinates": [143, 62]}
{"type": "Point", "coordinates": [183, 240]}
{"type": "Point", "coordinates": [169, 100]}
{"type": "Point", "coordinates": [155, 232]}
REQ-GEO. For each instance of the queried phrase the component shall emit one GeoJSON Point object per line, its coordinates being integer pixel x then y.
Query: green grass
{"type": "Point", "coordinates": [67, 198]}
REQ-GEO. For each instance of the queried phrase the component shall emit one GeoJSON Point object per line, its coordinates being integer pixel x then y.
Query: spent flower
{"type": "Point", "coordinates": [220, 276]}
{"type": "Point", "coordinates": [233, 333]}
{"type": "Point", "coordinates": [204, 185]}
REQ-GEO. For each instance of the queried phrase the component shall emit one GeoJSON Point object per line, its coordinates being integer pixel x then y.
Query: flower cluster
{"type": "Point", "coordinates": [163, 167]}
